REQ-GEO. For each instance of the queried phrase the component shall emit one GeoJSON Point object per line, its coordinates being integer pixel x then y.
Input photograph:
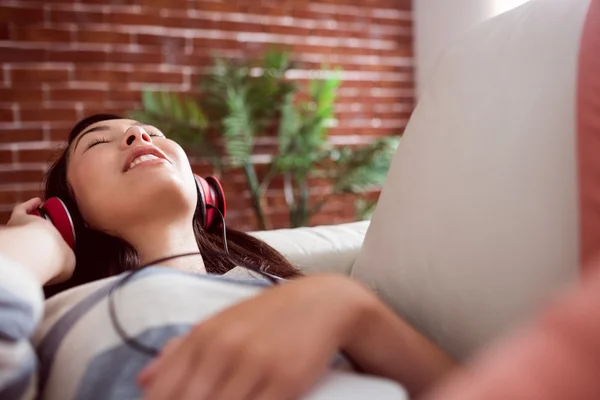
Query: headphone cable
{"type": "Point", "coordinates": [138, 345]}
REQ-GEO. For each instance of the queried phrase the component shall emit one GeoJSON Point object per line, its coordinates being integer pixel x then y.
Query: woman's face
{"type": "Point", "coordinates": [123, 173]}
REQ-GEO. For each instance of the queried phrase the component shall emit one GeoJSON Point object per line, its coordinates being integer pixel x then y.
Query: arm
{"type": "Point", "coordinates": [32, 253]}
{"type": "Point", "coordinates": [34, 244]}
{"type": "Point", "coordinates": [21, 304]}
{"type": "Point", "coordinates": [383, 344]}
{"type": "Point", "coordinates": [280, 343]}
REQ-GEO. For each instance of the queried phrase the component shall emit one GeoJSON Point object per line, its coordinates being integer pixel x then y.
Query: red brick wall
{"type": "Point", "coordinates": [63, 59]}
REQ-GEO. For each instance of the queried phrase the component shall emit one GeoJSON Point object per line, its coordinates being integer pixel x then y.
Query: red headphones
{"type": "Point", "coordinates": [210, 198]}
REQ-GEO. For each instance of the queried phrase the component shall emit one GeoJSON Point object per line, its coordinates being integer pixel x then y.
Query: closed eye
{"type": "Point", "coordinates": [95, 142]}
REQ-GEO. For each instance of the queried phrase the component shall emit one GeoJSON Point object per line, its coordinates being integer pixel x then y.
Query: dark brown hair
{"type": "Point", "coordinates": [99, 255]}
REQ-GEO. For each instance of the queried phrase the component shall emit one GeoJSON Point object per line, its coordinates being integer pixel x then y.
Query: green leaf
{"type": "Point", "coordinates": [289, 124]}
{"type": "Point", "coordinates": [151, 102]}
{"type": "Point", "coordinates": [360, 170]}
{"type": "Point", "coordinates": [364, 208]}
{"type": "Point", "coordinates": [176, 108]}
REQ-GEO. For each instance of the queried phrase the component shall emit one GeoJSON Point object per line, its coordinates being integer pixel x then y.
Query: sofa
{"type": "Point", "coordinates": [491, 205]}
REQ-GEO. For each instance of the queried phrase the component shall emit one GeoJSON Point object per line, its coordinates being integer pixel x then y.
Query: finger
{"type": "Point", "coordinates": [171, 374]}
{"type": "Point", "coordinates": [275, 391]}
{"type": "Point", "coordinates": [209, 372]}
{"type": "Point", "coordinates": [27, 207]}
{"type": "Point", "coordinates": [241, 384]}
{"type": "Point", "coordinates": [149, 372]}
{"type": "Point", "coordinates": [286, 382]}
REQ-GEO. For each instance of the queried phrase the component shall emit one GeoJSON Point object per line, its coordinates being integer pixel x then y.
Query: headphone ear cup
{"type": "Point", "coordinates": [203, 191]}
{"type": "Point", "coordinates": [219, 195]}
{"type": "Point", "coordinates": [57, 212]}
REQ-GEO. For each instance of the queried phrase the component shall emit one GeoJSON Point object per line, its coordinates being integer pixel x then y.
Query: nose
{"type": "Point", "coordinates": [135, 134]}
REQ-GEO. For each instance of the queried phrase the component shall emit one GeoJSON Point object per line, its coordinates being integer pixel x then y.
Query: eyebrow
{"type": "Point", "coordinates": [95, 129]}
{"type": "Point", "coordinates": [100, 129]}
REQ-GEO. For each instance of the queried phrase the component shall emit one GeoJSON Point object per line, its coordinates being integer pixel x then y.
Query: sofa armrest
{"type": "Point", "coordinates": [329, 248]}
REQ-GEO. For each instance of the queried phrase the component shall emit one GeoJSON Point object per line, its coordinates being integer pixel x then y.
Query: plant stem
{"type": "Point", "coordinates": [321, 203]}
{"type": "Point", "coordinates": [304, 194]}
{"type": "Point", "coordinates": [264, 185]}
{"type": "Point", "coordinates": [255, 194]}
{"type": "Point", "coordinates": [288, 191]}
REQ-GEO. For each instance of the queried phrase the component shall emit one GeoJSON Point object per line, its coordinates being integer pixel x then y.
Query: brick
{"type": "Point", "coordinates": [6, 115]}
{"type": "Point", "coordinates": [4, 31]}
{"type": "Point", "coordinates": [118, 18]}
{"type": "Point", "coordinates": [48, 114]}
{"type": "Point", "coordinates": [21, 176]}
{"type": "Point", "coordinates": [117, 94]}
{"type": "Point", "coordinates": [264, 9]}
{"type": "Point", "coordinates": [170, 4]}
{"type": "Point", "coordinates": [374, 132]}
{"type": "Point", "coordinates": [77, 95]}
{"type": "Point", "coordinates": [276, 201]}
{"type": "Point", "coordinates": [179, 21]}
{"type": "Point", "coordinates": [59, 134]}
{"type": "Point", "coordinates": [98, 74]}
{"type": "Point", "coordinates": [76, 17]}
{"type": "Point", "coordinates": [4, 217]}
{"type": "Point", "coordinates": [214, 44]}
{"type": "Point", "coordinates": [14, 54]}
{"type": "Point", "coordinates": [8, 197]}
{"type": "Point", "coordinates": [292, 30]}
{"type": "Point", "coordinates": [156, 77]}
{"type": "Point", "coordinates": [53, 1]}
{"type": "Point", "coordinates": [202, 169]}
{"type": "Point", "coordinates": [118, 56]}
{"type": "Point", "coordinates": [21, 15]}
{"type": "Point", "coordinates": [39, 34]}
{"type": "Point", "coordinates": [238, 202]}
{"type": "Point", "coordinates": [24, 195]}
{"type": "Point", "coordinates": [32, 74]}
{"type": "Point", "coordinates": [234, 26]}
{"type": "Point", "coordinates": [21, 135]}
{"type": "Point", "coordinates": [106, 2]}
{"type": "Point", "coordinates": [34, 95]}
{"type": "Point", "coordinates": [37, 156]}
{"type": "Point", "coordinates": [103, 37]}
{"type": "Point", "coordinates": [77, 56]}
{"type": "Point", "coordinates": [197, 59]}
{"type": "Point", "coordinates": [109, 108]}
{"type": "Point", "coordinates": [160, 40]}
{"type": "Point", "coordinates": [6, 156]}
{"type": "Point", "coordinates": [221, 6]}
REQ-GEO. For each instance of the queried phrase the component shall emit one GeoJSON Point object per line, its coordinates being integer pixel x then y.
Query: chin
{"type": "Point", "coordinates": [161, 193]}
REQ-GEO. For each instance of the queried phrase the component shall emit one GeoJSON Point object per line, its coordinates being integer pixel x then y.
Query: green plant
{"type": "Point", "coordinates": [241, 102]}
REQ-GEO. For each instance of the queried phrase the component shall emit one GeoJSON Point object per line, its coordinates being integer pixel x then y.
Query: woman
{"type": "Point", "coordinates": [109, 338]}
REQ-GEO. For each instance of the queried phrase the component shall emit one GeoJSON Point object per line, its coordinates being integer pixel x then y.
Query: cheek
{"type": "Point", "coordinates": [176, 153]}
{"type": "Point", "coordinates": [92, 185]}
{"type": "Point", "coordinates": [182, 163]}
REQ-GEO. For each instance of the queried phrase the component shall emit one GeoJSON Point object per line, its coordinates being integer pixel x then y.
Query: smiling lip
{"type": "Point", "coordinates": [144, 155]}
{"type": "Point", "coordinates": [151, 161]}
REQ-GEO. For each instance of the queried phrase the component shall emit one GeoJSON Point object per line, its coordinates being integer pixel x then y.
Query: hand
{"type": "Point", "coordinates": [38, 246]}
{"type": "Point", "coordinates": [274, 346]}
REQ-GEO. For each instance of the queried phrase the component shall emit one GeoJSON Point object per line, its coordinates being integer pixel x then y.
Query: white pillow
{"type": "Point", "coordinates": [327, 248]}
{"type": "Point", "coordinates": [477, 222]}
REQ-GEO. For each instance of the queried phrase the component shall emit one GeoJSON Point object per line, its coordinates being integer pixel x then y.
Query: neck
{"type": "Point", "coordinates": [155, 239]}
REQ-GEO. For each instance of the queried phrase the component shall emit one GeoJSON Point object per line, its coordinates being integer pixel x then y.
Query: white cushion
{"type": "Point", "coordinates": [477, 222]}
{"type": "Point", "coordinates": [319, 249]}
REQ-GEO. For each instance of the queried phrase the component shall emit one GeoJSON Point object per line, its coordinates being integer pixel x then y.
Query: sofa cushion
{"type": "Point", "coordinates": [477, 222]}
{"type": "Point", "coordinates": [329, 248]}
